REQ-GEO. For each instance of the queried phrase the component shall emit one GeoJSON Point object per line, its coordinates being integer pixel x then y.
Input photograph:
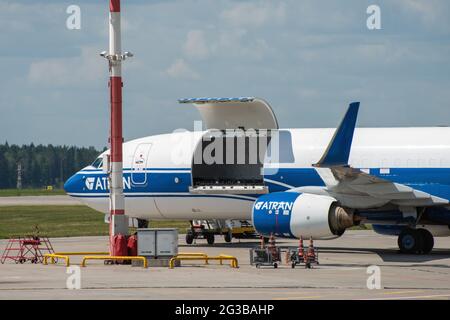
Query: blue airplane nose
{"type": "Point", "coordinates": [72, 184]}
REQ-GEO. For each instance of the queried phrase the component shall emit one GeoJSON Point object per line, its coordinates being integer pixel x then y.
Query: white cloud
{"type": "Point", "coordinates": [238, 43]}
{"type": "Point", "coordinates": [195, 45]}
{"type": "Point", "coordinates": [261, 47]}
{"type": "Point", "coordinates": [420, 6]}
{"type": "Point", "coordinates": [254, 14]}
{"type": "Point", "coordinates": [181, 70]}
{"type": "Point", "coordinates": [431, 13]}
{"type": "Point", "coordinates": [81, 70]}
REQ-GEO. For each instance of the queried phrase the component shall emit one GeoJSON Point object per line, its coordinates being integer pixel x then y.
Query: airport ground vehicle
{"type": "Point", "coordinates": [229, 229]}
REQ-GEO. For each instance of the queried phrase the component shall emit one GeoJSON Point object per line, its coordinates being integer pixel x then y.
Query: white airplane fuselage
{"type": "Point", "coordinates": [157, 170]}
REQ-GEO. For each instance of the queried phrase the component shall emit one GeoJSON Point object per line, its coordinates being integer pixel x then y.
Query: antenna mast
{"type": "Point", "coordinates": [118, 219]}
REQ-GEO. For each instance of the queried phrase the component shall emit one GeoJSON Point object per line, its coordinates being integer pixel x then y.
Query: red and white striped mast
{"type": "Point", "coordinates": [118, 219]}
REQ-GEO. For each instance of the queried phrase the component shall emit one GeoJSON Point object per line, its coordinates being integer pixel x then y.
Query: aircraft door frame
{"type": "Point", "coordinates": [139, 164]}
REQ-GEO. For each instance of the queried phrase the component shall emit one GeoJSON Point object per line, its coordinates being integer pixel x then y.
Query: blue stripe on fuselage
{"type": "Point", "coordinates": [435, 181]}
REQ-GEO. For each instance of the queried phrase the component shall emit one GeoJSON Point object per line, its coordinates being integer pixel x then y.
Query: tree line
{"type": "Point", "coordinates": [41, 165]}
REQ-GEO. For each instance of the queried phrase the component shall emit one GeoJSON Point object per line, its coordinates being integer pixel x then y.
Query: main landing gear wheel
{"type": "Point", "coordinates": [409, 241]}
{"type": "Point", "coordinates": [427, 240]}
{"type": "Point", "coordinates": [415, 241]}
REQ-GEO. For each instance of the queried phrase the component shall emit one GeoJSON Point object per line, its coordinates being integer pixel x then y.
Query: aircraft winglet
{"type": "Point", "coordinates": [338, 151]}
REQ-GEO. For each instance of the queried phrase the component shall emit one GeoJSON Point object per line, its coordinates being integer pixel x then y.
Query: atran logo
{"type": "Point", "coordinates": [90, 183]}
{"type": "Point", "coordinates": [258, 205]}
{"type": "Point", "coordinates": [101, 183]}
{"type": "Point", "coordinates": [274, 205]}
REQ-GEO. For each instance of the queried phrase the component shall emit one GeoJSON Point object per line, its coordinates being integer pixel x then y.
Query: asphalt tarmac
{"type": "Point", "coordinates": [59, 200]}
{"type": "Point", "coordinates": [342, 274]}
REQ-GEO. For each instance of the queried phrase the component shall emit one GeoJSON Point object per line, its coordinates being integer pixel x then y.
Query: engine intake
{"type": "Point", "coordinates": [292, 214]}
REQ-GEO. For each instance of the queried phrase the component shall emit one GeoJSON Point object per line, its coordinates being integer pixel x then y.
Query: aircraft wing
{"type": "Point", "coordinates": [355, 188]}
{"type": "Point", "coordinates": [234, 113]}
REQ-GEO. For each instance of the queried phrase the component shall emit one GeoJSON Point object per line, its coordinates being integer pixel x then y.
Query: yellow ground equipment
{"type": "Point", "coordinates": [143, 259]}
{"type": "Point", "coordinates": [65, 255]}
{"type": "Point", "coordinates": [203, 256]}
{"type": "Point", "coordinates": [54, 258]}
{"type": "Point", "coordinates": [89, 256]}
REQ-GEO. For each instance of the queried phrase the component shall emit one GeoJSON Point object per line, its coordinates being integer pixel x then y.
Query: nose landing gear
{"type": "Point", "coordinates": [414, 241]}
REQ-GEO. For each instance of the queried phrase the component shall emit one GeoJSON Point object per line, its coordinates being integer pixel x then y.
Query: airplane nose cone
{"type": "Point", "coordinates": [72, 184]}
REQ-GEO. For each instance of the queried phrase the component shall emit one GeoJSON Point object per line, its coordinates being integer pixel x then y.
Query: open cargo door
{"type": "Point", "coordinates": [234, 113]}
{"type": "Point", "coordinates": [230, 156]}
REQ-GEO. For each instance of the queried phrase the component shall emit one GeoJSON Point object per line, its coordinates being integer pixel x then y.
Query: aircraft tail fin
{"type": "Point", "coordinates": [338, 150]}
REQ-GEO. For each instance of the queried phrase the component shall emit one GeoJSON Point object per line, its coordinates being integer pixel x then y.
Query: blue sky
{"type": "Point", "coordinates": [308, 59]}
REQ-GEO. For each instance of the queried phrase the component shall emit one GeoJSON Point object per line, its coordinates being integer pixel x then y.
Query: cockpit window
{"type": "Point", "coordinates": [97, 163]}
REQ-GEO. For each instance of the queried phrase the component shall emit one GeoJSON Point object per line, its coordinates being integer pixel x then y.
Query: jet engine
{"type": "Point", "coordinates": [292, 214]}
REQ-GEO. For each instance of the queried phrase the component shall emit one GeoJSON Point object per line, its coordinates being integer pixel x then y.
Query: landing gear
{"type": "Point", "coordinates": [408, 241]}
{"type": "Point", "coordinates": [413, 241]}
{"type": "Point", "coordinates": [427, 240]}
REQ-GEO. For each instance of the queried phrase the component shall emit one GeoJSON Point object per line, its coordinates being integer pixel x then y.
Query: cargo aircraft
{"type": "Point", "coordinates": [289, 182]}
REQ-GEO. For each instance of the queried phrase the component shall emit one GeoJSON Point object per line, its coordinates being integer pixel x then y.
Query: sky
{"type": "Point", "coordinates": [309, 59]}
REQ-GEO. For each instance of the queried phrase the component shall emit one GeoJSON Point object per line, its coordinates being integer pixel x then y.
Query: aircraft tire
{"type": "Point", "coordinates": [409, 241]}
{"type": "Point", "coordinates": [427, 240]}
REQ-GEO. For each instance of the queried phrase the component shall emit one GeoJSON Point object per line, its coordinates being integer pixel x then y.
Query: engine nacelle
{"type": "Point", "coordinates": [292, 214]}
